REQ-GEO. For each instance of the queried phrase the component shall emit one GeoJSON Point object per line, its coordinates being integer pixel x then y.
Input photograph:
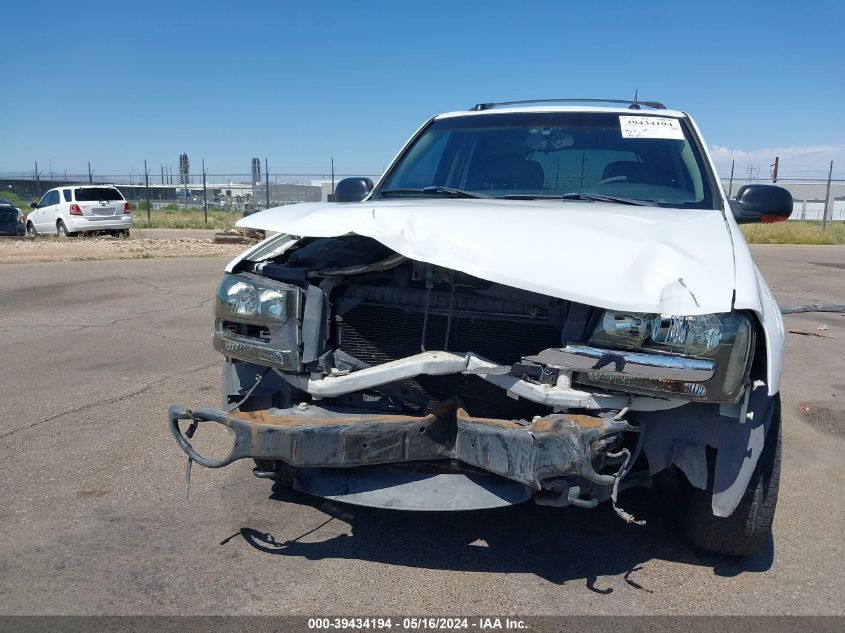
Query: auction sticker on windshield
{"type": "Point", "coordinates": [650, 127]}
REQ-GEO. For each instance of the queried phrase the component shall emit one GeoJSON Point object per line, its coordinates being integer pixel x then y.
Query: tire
{"type": "Point", "coordinates": [30, 230]}
{"type": "Point", "coordinates": [61, 229]}
{"type": "Point", "coordinates": [745, 531]}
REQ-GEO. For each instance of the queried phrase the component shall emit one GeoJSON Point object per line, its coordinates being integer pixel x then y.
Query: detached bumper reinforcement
{"type": "Point", "coordinates": [551, 446]}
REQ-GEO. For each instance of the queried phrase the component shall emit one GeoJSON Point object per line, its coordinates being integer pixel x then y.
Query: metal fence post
{"type": "Point", "coordinates": [147, 188]}
{"type": "Point", "coordinates": [204, 195]}
{"type": "Point", "coordinates": [267, 181]}
{"type": "Point", "coordinates": [731, 184]}
{"type": "Point", "coordinates": [827, 197]}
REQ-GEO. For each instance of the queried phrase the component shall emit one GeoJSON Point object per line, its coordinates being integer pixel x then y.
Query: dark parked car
{"type": "Point", "coordinates": [11, 219]}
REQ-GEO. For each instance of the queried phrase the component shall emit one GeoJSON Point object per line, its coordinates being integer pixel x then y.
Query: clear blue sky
{"type": "Point", "coordinates": [300, 82]}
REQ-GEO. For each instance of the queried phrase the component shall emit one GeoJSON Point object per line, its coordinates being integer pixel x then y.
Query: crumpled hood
{"type": "Point", "coordinates": [643, 259]}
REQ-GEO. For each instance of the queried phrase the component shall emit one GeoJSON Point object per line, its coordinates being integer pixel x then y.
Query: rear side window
{"type": "Point", "coordinates": [66, 193]}
{"type": "Point", "coordinates": [95, 194]}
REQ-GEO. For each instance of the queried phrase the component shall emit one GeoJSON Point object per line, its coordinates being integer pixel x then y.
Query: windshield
{"type": "Point", "coordinates": [598, 156]}
{"type": "Point", "coordinates": [95, 194]}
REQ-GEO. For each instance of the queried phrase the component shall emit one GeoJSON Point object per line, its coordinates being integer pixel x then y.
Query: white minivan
{"type": "Point", "coordinates": [67, 211]}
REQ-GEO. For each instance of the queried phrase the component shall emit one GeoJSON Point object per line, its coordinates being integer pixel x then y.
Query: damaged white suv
{"type": "Point", "coordinates": [535, 301]}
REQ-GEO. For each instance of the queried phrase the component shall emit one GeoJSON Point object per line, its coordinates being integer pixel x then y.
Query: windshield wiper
{"type": "Point", "coordinates": [594, 197]}
{"type": "Point", "coordinates": [527, 196]}
{"type": "Point", "coordinates": [446, 191]}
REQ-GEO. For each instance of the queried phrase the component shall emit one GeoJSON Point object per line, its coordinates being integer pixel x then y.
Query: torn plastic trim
{"type": "Point", "coordinates": [556, 445]}
{"type": "Point", "coordinates": [435, 363]}
{"type": "Point", "coordinates": [738, 434]}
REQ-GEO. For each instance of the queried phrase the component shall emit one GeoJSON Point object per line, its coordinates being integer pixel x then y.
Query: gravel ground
{"type": "Point", "coordinates": [143, 244]}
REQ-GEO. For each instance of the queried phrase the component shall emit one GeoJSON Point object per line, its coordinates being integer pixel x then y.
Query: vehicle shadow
{"type": "Point", "coordinates": [559, 545]}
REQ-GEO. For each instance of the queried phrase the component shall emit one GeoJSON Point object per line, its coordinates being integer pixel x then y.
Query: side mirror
{"type": "Point", "coordinates": [352, 189]}
{"type": "Point", "coordinates": [33, 205]}
{"type": "Point", "coordinates": [761, 203]}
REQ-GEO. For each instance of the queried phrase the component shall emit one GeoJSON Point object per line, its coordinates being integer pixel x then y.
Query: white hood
{"type": "Point", "coordinates": [643, 259]}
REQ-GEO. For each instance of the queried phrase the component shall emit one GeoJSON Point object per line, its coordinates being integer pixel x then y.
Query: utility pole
{"type": "Point", "coordinates": [37, 181]}
{"type": "Point", "coordinates": [731, 183]}
{"type": "Point", "coordinates": [775, 169]}
{"type": "Point", "coordinates": [332, 179]}
{"type": "Point", "coordinates": [827, 197]}
{"type": "Point", "coordinates": [90, 173]}
{"type": "Point", "coordinates": [267, 181]}
{"type": "Point", "coordinates": [204, 194]}
{"type": "Point", "coordinates": [147, 181]}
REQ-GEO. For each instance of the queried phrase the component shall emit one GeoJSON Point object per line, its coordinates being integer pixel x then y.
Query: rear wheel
{"type": "Point", "coordinates": [746, 530]}
{"type": "Point", "coordinates": [61, 229]}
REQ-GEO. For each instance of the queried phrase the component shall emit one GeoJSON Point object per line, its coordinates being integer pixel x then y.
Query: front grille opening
{"type": "Point", "coordinates": [377, 334]}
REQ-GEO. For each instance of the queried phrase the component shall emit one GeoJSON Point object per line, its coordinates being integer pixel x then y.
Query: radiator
{"type": "Point", "coordinates": [377, 334]}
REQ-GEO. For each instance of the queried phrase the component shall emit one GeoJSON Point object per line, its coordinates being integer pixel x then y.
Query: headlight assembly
{"type": "Point", "coordinates": [727, 339]}
{"type": "Point", "coordinates": [257, 320]}
{"type": "Point", "coordinates": [256, 299]}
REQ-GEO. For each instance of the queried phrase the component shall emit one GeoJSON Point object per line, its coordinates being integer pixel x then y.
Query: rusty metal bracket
{"type": "Point", "coordinates": [310, 436]}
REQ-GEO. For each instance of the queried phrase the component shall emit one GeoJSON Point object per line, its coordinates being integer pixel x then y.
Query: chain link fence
{"type": "Point", "coordinates": [168, 199]}
{"type": "Point", "coordinates": [224, 197]}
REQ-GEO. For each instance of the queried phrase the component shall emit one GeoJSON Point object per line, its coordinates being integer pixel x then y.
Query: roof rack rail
{"type": "Point", "coordinates": [632, 105]}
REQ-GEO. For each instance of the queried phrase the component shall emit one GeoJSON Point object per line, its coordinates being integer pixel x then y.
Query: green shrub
{"type": "Point", "coordinates": [794, 232]}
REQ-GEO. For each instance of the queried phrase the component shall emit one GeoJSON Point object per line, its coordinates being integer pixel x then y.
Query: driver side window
{"type": "Point", "coordinates": [50, 198]}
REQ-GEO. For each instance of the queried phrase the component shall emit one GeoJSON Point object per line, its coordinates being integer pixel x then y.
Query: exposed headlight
{"type": "Point", "coordinates": [690, 335]}
{"type": "Point", "coordinates": [257, 320]}
{"type": "Point", "coordinates": [253, 298]}
{"type": "Point", "coordinates": [728, 339]}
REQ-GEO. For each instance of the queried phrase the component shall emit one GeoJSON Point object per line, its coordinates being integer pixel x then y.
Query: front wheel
{"type": "Point", "coordinates": [745, 531]}
{"type": "Point", "coordinates": [30, 230]}
{"type": "Point", "coordinates": [61, 229]}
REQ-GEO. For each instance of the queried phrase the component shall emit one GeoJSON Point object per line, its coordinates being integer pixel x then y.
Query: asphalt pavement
{"type": "Point", "coordinates": [95, 520]}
